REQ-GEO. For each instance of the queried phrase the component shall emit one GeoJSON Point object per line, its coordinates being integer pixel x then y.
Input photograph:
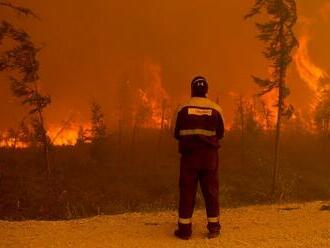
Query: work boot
{"type": "Point", "coordinates": [214, 230]}
{"type": "Point", "coordinates": [184, 231]}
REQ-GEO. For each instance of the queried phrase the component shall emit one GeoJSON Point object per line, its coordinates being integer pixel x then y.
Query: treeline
{"type": "Point", "coordinates": [103, 176]}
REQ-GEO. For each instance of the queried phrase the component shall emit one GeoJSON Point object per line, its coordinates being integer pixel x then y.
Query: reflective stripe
{"type": "Point", "coordinates": [184, 221]}
{"type": "Point", "coordinates": [197, 131]}
{"type": "Point", "coordinates": [199, 112]}
{"type": "Point", "coordinates": [202, 102]}
{"type": "Point", "coordinates": [213, 219]}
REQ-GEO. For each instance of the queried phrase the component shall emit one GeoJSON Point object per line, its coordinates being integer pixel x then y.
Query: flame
{"type": "Point", "coordinates": [309, 72]}
{"type": "Point", "coordinates": [263, 108]}
{"type": "Point", "coordinates": [325, 12]}
{"type": "Point", "coordinates": [60, 135]}
{"type": "Point", "coordinates": [6, 141]}
{"type": "Point", "coordinates": [154, 98]}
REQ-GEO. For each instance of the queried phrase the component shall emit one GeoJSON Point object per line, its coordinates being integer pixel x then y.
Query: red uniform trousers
{"type": "Point", "coordinates": [199, 166]}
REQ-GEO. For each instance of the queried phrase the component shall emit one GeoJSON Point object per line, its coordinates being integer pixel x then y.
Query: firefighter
{"type": "Point", "coordinates": [199, 127]}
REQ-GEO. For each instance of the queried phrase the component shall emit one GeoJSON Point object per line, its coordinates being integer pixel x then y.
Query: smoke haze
{"type": "Point", "coordinates": [90, 46]}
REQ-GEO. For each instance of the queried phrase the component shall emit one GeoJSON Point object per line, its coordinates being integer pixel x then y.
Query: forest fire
{"type": "Point", "coordinates": [11, 142]}
{"type": "Point", "coordinates": [164, 107]}
{"type": "Point", "coordinates": [153, 102]}
{"type": "Point", "coordinates": [67, 135]}
{"type": "Point", "coordinates": [314, 76]}
{"type": "Point", "coordinates": [154, 110]}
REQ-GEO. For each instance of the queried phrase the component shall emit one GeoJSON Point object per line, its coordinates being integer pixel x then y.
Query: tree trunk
{"type": "Point", "coordinates": [134, 134]}
{"type": "Point", "coordinates": [45, 143]}
{"type": "Point", "coordinates": [281, 84]}
{"type": "Point", "coordinates": [44, 135]}
{"type": "Point", "coordinates": [120, 133]}
{"type": "Point", "coordinates": [161, 126]}
{"type": "Point", "coordinates": [242, 117]}
{"type": "Point", "coordinates": [277, 146]}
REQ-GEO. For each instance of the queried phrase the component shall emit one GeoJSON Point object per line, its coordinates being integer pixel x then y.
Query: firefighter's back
{"type": "Point", "coordinates": [199, 125]}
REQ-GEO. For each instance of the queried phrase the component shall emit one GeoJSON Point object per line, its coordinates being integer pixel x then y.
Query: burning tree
{"type": "Point", "coordinates": [22, 62]}
{"type": "Point", "coordinates": [278, 36]}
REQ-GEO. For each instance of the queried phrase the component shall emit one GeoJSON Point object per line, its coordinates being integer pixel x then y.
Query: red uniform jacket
{"type": "Point", "coordinates": [199, 125]}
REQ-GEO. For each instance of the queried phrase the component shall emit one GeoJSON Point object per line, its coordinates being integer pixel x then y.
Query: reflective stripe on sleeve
{"type": "Point", "coordinates": [213, 219]}
{"type": "Point", "coordinates": [184, 221]}
{"type": "Point", "coordinates": [197, 131]}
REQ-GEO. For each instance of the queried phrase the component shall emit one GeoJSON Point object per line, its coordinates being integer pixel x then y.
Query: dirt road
{"type": "Point", "coordinates": [295, 225]}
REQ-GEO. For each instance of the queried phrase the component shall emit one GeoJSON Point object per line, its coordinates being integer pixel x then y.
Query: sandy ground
{"type": "Point", "coordinates": [295, 225]}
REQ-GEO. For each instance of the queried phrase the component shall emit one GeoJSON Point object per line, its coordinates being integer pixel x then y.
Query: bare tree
{"type": "Point", "coordinates": [164, 117]}
{"type": "Point", "coordinates": [240, 123]}
{"type": "Point", "coordinates": [22, 61]}
{"type": "Point", "coordinates": [278, 36]}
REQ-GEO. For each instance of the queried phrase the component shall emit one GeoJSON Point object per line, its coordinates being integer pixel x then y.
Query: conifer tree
{"type": "Point", "coordinates": [280, 41]}
{"type": "Point", "coordinates": [21, 61]}
{"type": "Point", "coordinates": [99, 128]}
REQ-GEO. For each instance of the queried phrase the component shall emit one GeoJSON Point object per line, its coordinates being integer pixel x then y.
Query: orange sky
{"type": "Point", "coordinates": [91, 45]}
